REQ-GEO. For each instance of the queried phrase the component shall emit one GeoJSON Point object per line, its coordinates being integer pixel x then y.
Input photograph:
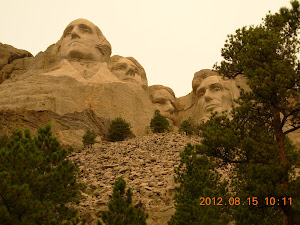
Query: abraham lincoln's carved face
{"type": "Point", "coordinates": [213, 95]}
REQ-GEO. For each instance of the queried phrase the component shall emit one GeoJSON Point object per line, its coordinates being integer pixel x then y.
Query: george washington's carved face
{"type": "Point", "coordinates": [80, 41]}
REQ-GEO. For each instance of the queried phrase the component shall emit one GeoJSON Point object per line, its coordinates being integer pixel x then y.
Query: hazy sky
{"type": "Point", "coordinates": [172, 39]}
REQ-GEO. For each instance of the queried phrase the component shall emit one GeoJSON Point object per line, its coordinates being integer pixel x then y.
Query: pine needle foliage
{"type": "Point", "coordinates": [255, 140]}
{"type": "Point", "coordinates": [38, 183]}
{"type": "Point", "coordinates": [121, 210]}
{"type": "Point", "coordinates": [89, 139]}
{"type": "Point", "coordinates": [119, 130]}
{"type": "Point", "coordinates": [197, 177]}
{"type": "Point", "coordinates": [159, 123]}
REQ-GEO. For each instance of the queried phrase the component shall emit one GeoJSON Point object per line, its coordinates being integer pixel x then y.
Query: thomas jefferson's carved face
{"type": "Point", "coordinates": [79, 41]}
{"type": "Point", "coordinates": [164, 102]}
{"type": "Point", "coordinates": [126, 70]}
{"type": "Point", "coordinates": [213, 96]}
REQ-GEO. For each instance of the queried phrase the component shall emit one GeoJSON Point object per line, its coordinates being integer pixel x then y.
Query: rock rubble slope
{"type": "Point", "coordinates": [146, 163]}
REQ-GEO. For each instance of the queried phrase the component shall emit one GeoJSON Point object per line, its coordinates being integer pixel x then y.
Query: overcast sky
{"type": "Point", "coordinates": [172, 39]}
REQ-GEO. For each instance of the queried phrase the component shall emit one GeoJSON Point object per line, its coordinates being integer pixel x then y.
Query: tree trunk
{"type": "Point", "coordinates": [288, 218]}
{"type": "Point", "coordinates": [288, 210]}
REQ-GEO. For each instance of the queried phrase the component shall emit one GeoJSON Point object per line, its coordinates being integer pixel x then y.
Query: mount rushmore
{"type": "Point", "coordinates": [77, 85]}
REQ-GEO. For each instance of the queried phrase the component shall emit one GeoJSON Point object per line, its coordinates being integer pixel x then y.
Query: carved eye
{"type": "Point", "coordinates": [217, 89]}
{"type": "Point", "coordinates": [85, 30]}
{"type": "Point", "coordinates": [120, 68]}
{"type": "Point", "coordinates": [67, 34]}
{"type": "Point", "coordinates": [200, 93]}
{"type": "Point", "coordinates": [160, 101]}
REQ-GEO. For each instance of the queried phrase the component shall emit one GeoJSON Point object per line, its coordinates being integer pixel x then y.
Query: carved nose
{"type": "Point", "coordinates": [131, 72]}
{"type": "Point", "coordinates": [169, 107]}
{"type": "Point", "coordinates": [207, 96]}
{"type": "Point", "coordinates": [75, 33]}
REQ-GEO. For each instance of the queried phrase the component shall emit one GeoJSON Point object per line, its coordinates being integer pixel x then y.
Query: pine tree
{"type": "Point", "coordinates": [121, 211]}
{"type": "Point", "coordinates": [89, 138]}
{"type": "Point", "coordinates": [187, 127]}
{"type": "Point", "coordinates": [255, 140]}
{"type": "Point", "coordinates": [200, 183]}
{"type": "Point", "coordinates": [159, 123]}
{"type": "Point", "coordinates": [38, 183]}
{"type": "Point", "coordinates": [119, 130]}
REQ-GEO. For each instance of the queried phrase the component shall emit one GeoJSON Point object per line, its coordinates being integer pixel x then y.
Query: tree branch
{"type": "Point", "coordinates": [6, 204]}
{"type": "Point", "coordinates": [291, 130]}
{"type": "Point", "coordinates": [286, 116]}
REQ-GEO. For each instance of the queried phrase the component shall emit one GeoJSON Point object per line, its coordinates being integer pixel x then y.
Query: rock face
{"type": "Point", "coordinates": [146, 163]}
{"type": "Point", "coordinates": [12, 60]}
{"type": "Point", "coordinates": [77, 74]}
{"type": "Point", "coordinates": [67, 127]}
{"type": "Point", "coordinates": [73, 76]}
{"type": "Point", "coordinates": [64, 91]}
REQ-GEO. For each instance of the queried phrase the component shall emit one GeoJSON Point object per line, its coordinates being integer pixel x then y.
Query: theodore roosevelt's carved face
{"type": "Point", "coordinates": [81, 40]}
{"type": "Point", "coordinates": [213, 94]}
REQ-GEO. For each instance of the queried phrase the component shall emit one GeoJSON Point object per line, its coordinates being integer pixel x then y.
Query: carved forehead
{"type": "Point", "coordinates": [210, 80]}
{"type": "Point", "coordinates": [82, 21]}
{"type": "Point", "coordinates": [163, 94]}
{"type": "Point", "coordinates": [125, 61]}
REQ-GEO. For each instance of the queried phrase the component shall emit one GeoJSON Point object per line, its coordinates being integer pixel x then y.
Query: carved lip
{"type": "Point", "coordinates": [75, 42]}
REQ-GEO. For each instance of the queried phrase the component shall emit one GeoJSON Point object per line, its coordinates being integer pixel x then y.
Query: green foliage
{"type": "Point", "coordinates": [89, 138]}
{"type": "Point", "coordinates": [3, 140]}
{"type": "Point", "coordinates": [159, 123]}
{"type": "Point", "coordinates": [254, 141]}
{"type": "Point", "coordinates": [37, 183]}
{"type": "Point", "coordinates": [187, 127]}
{"type": "Point", "coordinates": [121, 211]}
{"type": "Point", "coordinates": [119, 130]}
{"type": "Point", "coordinates": [250, 148]}
{"type": "Point", "coordinates": [198, 178]}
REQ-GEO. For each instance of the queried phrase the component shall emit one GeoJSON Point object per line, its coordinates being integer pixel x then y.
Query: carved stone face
{"type": "Point", "coordinates": [126, 70]}
{"type": "Point", "coordinates": [164, 101]}
{"type": "Point", "coordinates": [79, 41]}
{"type": "Point", "coordinates": [213, 95]}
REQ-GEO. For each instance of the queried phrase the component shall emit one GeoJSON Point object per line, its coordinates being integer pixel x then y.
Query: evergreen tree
{"type": "Point", "coordinates": [159, 123]}
{"type": "Point", "coordinates": [251, 150]}
{"type": "Point", "coordinates": [200, 183]}
{"type": "Point", "coordinates": [255, 141]}
{"type": "Point", "coordinates": [89, 138]}
{"type": "Point", "coordinates": [119, 130]}
{"type": "Point", "coordinates": [187, 127]}
{"type": "Point", "coordinates": [121, 211]}
{"type": "Point", "coordinates": [37, 183]}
